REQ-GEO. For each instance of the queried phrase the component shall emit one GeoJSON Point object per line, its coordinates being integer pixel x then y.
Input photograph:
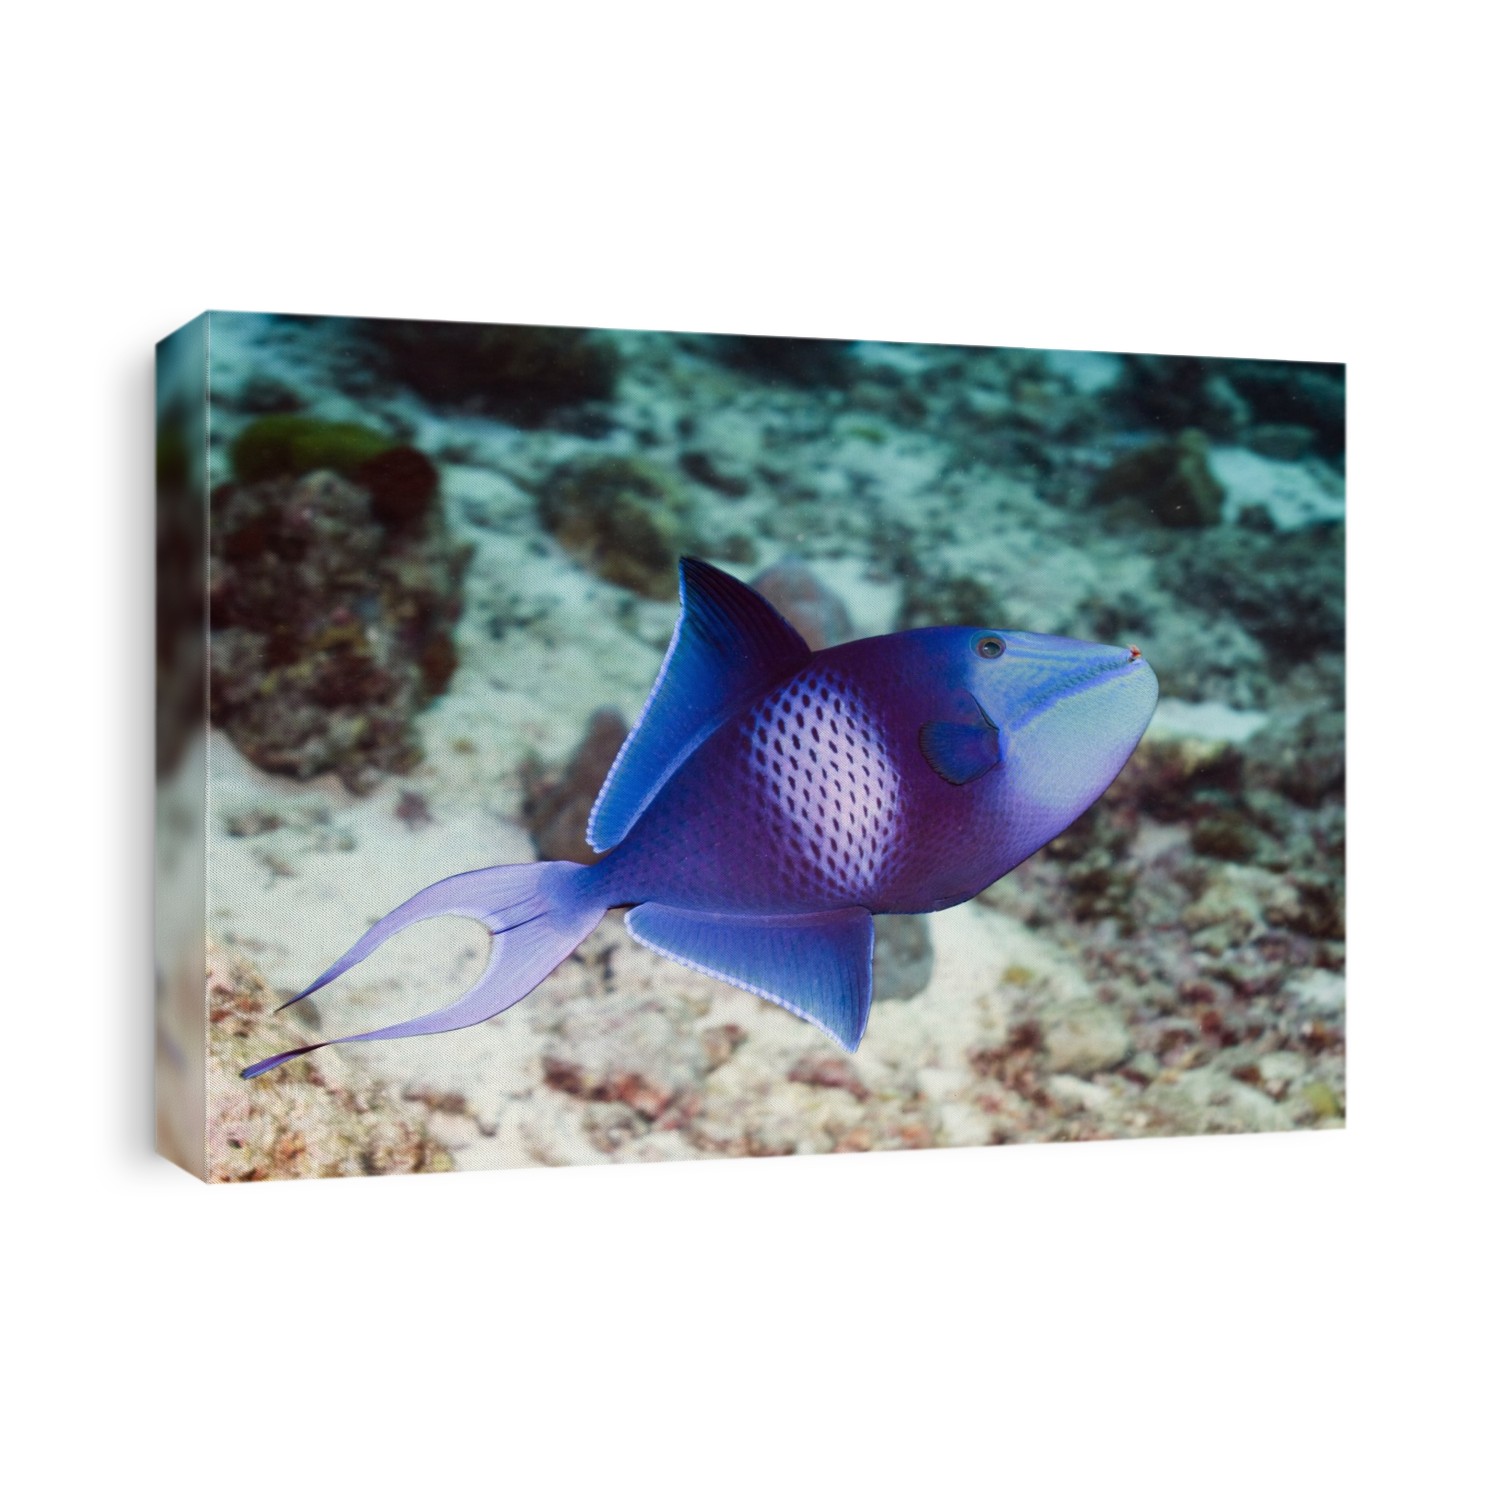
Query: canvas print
{"type": "Point", "coordinates": [585, 746]}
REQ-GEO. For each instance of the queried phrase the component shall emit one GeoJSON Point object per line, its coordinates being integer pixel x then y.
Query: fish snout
{"type": "Point", "coordinates": [1137, 692]}
{"type": "Point", "coordinates": [1073, 712]}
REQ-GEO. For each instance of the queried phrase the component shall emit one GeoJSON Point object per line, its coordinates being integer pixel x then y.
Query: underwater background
{"type": "Point", "coordinates": [441, 579]}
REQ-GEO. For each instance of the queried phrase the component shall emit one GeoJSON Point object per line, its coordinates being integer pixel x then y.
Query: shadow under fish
{"type": "Point", "coordinates": [772, 798]}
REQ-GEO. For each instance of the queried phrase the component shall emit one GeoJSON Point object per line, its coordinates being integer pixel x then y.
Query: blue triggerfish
{"type": "Point", "coordinates": [772, 798]}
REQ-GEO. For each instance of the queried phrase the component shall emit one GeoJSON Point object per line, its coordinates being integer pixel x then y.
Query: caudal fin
{"type": "Point", "coordinates": [536, 914]}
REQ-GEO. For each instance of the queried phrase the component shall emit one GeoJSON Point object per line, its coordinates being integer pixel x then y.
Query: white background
{"type": "Point", "coordinates": [1304, 1315]}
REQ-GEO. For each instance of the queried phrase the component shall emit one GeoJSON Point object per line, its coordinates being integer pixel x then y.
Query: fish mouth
{"type": "Point", "coordinates": [1064, 669]}
{"type": "Point", "coordinates": [1122, 662]}
{"type": "Point", "coordinates": [1073, 728]}
{"type": "Point", "coordinates": [1133, 666]}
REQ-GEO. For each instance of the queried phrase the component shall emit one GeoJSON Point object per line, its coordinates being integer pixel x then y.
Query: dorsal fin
{"type": "Point", "coordinates": [729, 647]}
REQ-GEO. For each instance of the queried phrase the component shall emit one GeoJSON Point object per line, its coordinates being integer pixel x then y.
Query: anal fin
{"type": "Point", "coordinates": [818, 966]}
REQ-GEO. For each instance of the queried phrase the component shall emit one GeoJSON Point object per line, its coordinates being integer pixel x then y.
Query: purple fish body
{"type": "Point", "coordinates": [771, 799]}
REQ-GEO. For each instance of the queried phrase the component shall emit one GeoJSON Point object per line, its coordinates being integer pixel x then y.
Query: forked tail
{"type": "Point", "coordinates": [538, 914]}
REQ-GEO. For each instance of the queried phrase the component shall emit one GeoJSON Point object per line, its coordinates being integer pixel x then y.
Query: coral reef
{"type": "Point", "coordinates": [941, 597]}
{"type": "Point", "coordinates": [1180, 392]}
{"type": "Point", "coordinates": [1287, 590]}
{"type": "Point", "coordinates": [1301, 758]}
{"type": "Point", "coordinates": [1303, 397]}
{"type": "Point", "coordinates": [1172, 963]}
{"type": "Point", "coordinates": [330, 628]}
{"type": "Point", "coordinates": [798, 362]}
{"type": "Point", "coordinates": [1238, 399]}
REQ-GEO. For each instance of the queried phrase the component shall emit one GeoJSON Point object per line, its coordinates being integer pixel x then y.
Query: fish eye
{"type": "Point", "coordinates": [989, 646]}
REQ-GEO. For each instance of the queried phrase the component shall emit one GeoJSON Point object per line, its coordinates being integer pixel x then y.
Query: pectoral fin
{"type": "Point", "coordinates": [961, 753]}
{"type": "Point", "coordinates": [818, 966]}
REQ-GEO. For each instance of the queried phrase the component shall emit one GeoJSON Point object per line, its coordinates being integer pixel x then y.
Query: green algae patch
{"type": "Point", "coordinates": [287, 446]}
{"type": "Point", "coordinates": [1322, 1100]}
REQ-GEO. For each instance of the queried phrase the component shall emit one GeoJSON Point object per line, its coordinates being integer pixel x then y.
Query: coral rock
{"type": "Point", "coordinates": [1084, 1038]}
{"type": "Point", "coordinates": [1303, 760]}
{"type": "Point", "coordinates": [806, 601]}
{"type": "Point", "coordinates": [798, 362]}
{"type": "Point", "coordinates": [317, 1117]}
{"type": "Point", "coordinates": [624, 518]}
{"type": "Point", "coordinates": [1281, 440]}
{"type": "Point", "coordinates": [942, 599]}
{"type": "Point", "coordinates": [1169, 777]}
{"type": "Point", "coordinates": [1171, 480]}
{"type": "Point", "coordinates": [1179, 393]}
{"type": "Point", "coordinates": [903, 956]}
{"type": "Point", "coordinates": [1205, 1101]}
{"type": "Point", "coordinates": [402, 483]}
{"type": "Point", "coordinates": [1287, 590]}
{"type": "Point", "coordinates": [711, 470]}
{"type": "Point", "coordinates": [646, 1061]}
{"type": "Point", "coordinates": [556, 808]}
{"type": "Point", "coordinates": [521, 373]}
{"type": "Point", "coordinates": [1283, 393]}
{"type": "Point", "coordinates": [330, 630]}
{"type": "Point", "coordinates": [826, 1072]}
